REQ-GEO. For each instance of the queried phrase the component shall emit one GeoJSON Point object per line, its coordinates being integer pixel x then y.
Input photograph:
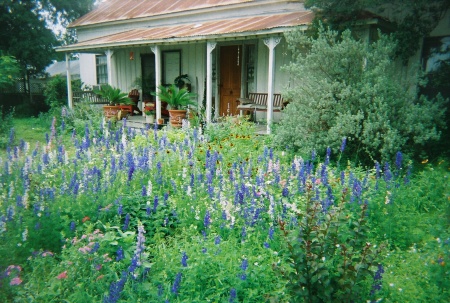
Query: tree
{"type": "Point", "coordinates": [9, 70]}
{"type": "Point", "coordinates": [411, 19]}
{"type": "Point", "coordinates": [25, 29]}
{"type": "Point", "coordinates": [344, 88]}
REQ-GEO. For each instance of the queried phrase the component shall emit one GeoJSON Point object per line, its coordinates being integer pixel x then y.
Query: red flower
{"type": "Point", "coordinates": [85, 219]}
{"type": "Point", "coordinates": [62, 275]}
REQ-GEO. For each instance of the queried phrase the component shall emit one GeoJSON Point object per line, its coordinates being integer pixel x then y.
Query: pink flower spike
{"type": "Point", "coordinates": [15, 281]}
{"type": "Point", "coordinates": [62, 275]}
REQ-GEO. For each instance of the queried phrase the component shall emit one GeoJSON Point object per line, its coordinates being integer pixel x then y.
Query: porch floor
{"type": "Point", "coordinates": [139, 122]}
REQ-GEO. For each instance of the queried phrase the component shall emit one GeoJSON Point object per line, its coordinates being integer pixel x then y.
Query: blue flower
{"type": "Point", "coordinates": [232, 295]}
{"type": "Point", "coordinates": [244, 264]}
{"type": "Point", "coordinates": [184, 259]}
{"type": "Point", "coordinates": [95, 248]}
{"type": "Point", "coordinates": [207, 219]}
{"type": "Point", "coordinates": [119, 253]}
{"type": "Point", "coordinates": [271, 231]}
{"type": "Point", "coordinates": [285, 192]}
{"type": "Point", "coordinates": [176, 284]}
{"type": "Point", "coordinates": [344, 142]}
{"type": "Point", "coordinates": [126, 223]}
{"type": "Point", "coordinates": [217, 240]}
{"type": "Point", "coordinates": [398, 160]}
{"type": "Point", "coordinates": [72, 226]}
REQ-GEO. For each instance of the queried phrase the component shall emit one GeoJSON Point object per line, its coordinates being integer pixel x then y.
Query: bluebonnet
{"type": "Point", "coordinates": [285, 192]}
{"type": "Point", "coordinates": [176, 284]}
{"type": "Point", "coordinates": [207, 219]}
{"type": "Point", "coordinates": [115, 289]}
{"type": "Point", "coordinates": [328, 155]}
{"type": "Point", "coordinates": [377, 280]}
{"type": "Point", "coordinates": [155, 203]}
{"type": "Point", "coordinates": [271, 231]}
{"type": "Point", "coordinates": [184, 259]}
{"type": "Point", "coordinates": [398, 160]}
{"type": "Point", "coordinates": [232, 295]}
{"type": "Point", "coordinates": [95, 248]}
{"type": "Point", "coordinates": [244, 264]}
{"type": "Point", "coordinates": [243, 233]}
{"type": "Point", "coordinates": [266, 245]}
{"type": "Point", "coordinates": [343, 144]}
{"type": "Point", "coordinates": [130, 173]}
{"type": "Point", "coordinates": [72, 226]}
{"type": "Point", "coordinates": [217, 240]}
{"type": "Point", "coordinates": [127, 222]}
{"type": "Point", "coordinates": [342, 178]}
{"type": "Point", "coordinates": [120, 209]}
{"type": "Point", "coordinates": [119, 253]}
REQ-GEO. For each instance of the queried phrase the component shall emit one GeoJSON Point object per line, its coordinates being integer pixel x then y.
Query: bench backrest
{"type": "Point", "coordinates": [261, 99]}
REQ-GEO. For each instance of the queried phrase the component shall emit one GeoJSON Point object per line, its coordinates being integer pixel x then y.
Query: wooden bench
{"type": "Point", "coordinates": [258, 102]}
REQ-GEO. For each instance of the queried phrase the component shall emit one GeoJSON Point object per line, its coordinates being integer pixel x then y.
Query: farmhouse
{"type": "Point", "coordinates": [227, 48]}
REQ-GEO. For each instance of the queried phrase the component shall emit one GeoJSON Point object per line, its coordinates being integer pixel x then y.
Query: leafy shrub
{"type": "Point", "coordinates": [346, 88]}
{"type": "Point", "coordinates": [56, 91]}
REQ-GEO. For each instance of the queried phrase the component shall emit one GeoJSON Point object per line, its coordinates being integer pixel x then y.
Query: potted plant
{"type": "Point", "coordinates": [183, 81]}
{"type": "Point", "coordinates": [149, 115]}
{"type": "Point", "coordinates": [117, 101]}
{"type": "Point", "coordinates": [178, 100]}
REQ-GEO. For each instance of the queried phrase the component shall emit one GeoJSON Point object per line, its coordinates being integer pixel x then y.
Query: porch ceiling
{"type": "Point", "coordinates": [211, 30]}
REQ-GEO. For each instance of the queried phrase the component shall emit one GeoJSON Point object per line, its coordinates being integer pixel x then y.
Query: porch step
{"type": "Point", "coordinates": [139, 122]}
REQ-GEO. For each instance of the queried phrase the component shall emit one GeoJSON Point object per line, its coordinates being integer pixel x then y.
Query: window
{"type": "Point", "coordinates": [102, 69]}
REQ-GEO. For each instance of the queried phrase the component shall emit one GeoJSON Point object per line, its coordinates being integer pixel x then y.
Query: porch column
{"type": "Point", "coordinates": [69, 82]}
{"type": "Point", "coordinates": [109, 54]}
{"type": "Point", "coordinates": [271, 43]}
{"type": "Point", "coordinates": [210, 46]}
{"type": "Point", "coordinates": [157, 51]}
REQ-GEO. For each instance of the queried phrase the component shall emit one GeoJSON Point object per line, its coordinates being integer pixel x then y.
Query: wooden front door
{"type": "Point", "coordinates": [230, 79]}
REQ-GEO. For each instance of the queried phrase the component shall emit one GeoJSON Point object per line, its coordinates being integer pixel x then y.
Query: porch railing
{"type": "Point", "coordinates": [88, 96]}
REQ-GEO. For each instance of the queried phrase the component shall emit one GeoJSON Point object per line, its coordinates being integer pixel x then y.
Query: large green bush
{"type": "Point", "coordinates": [56, 91]}
{"type": "Point", "coordinates": [344, 87]}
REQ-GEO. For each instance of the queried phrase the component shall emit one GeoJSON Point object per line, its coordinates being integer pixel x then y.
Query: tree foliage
{"type": "Point", "coordinates": [26, 30]}
{"type": "Point", "coordinates": [346, 88]}
{"type": "Point", "coordinates": [411, 19]}
{"type": "Point", "coordinates": [9, 69]}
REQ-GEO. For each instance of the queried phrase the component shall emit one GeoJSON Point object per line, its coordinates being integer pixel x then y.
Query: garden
{"type": "Point", "coordinates": [94, 211]}
{"type": "Point", "coordinates": [112, 214]}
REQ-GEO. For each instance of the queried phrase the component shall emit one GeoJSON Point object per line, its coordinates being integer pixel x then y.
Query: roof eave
{"type": "Point", "coordinates": [178, 40]}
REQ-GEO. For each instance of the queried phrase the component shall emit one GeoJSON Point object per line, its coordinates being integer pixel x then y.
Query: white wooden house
{"type": "Point", "coordinates": [228, 48]}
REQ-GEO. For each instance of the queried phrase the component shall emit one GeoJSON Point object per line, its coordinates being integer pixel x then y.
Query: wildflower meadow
{"type": "Point", "coordinates": [107, 213]}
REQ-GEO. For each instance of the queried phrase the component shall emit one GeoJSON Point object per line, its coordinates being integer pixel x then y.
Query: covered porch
{"type": "Point", "coordinates": [224, 60]}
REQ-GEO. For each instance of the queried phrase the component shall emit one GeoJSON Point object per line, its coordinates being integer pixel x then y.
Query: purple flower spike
{"type": "Point", "coordinates": [232, 295]}
{"type": "Point", "coordinates": [176, 284]}
{"type": "Point", "coordinates": [184, 259]}
{"type": "Point", "coordinates": [207, 219]}
{"type": "Point", "coordinates": [343, 144]}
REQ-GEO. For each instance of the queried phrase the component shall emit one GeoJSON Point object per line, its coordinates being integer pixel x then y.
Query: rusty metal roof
{"type": "Point", "coordinates": [120, 10]}
{"type": "Point", "coordinates": [257, 25]}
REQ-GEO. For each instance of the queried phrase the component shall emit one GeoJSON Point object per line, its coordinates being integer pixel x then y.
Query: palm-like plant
{"type": "Point", "coordinates": [113, 95]}
{"type": "Point", "coordinates": [175, 97]}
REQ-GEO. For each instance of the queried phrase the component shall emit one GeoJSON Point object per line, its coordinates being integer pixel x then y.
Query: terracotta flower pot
{"type": "Point", "coordinates": [177, 116]}
{"type": "Point", "coordinates": [111, 111]}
